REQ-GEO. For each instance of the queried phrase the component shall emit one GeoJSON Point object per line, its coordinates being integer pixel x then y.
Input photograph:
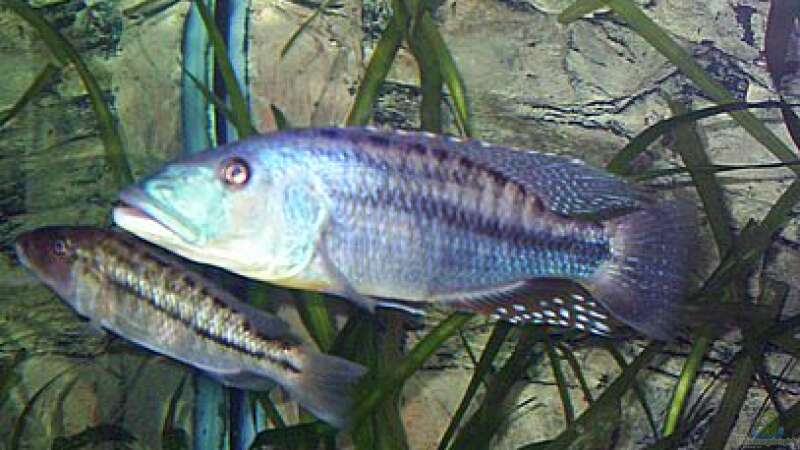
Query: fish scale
{"type": "Point", "coordinates": [503, 247]}
{"type": "Point", "coordinates": [145, 296]}
{"type": "Point", "coordinates": [180, 299]}
{"type": "Point", "coordinates": [378, 216]}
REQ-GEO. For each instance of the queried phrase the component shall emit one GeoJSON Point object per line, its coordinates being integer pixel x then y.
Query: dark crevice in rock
{"type": "Point", "coordinates": [596, 114]}
{"type": "Point", "coordinates": [744, 16]}
{"type": "Point", "coordinates": [397, 105]}
{"type": "Point", "coordinates": [95, 28]}
{"type": "Point", "coordinates": [375, 15]}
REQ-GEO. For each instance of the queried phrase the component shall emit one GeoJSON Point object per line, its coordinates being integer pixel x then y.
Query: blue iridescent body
{"type": "Point", "coordinates": [370, 214]}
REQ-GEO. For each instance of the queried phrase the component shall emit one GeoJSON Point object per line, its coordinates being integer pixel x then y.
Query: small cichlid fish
{"type": "Point", "coordinates": [388, 218]}
{"type": "Point", "coordinates": [134, 290]}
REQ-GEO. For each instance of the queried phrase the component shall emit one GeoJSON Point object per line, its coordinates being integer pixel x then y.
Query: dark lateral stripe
{"type": "Point", "coordinates": [392, 152]}
{"type": "Point", "coordinates": [472, 221]}
{"type": "Point", "coordinates": [133, 289]}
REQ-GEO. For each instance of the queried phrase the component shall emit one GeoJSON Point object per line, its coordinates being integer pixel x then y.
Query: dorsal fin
{"type": "Point", "coordinates": [566, 186]}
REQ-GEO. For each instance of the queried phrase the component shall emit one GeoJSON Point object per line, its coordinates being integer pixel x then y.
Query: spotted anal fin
{"type": "Point", "coordinates": [541, 301]}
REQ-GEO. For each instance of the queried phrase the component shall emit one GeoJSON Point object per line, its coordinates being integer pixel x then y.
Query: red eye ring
{"type": "Point", "coordinates": [235, 172]}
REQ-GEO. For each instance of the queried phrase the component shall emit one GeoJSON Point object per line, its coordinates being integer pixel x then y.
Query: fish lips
{"type": "Point", "coordinates": [146, 217]}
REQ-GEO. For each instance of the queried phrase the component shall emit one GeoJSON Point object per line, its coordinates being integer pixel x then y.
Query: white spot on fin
{"type": "Point", "coordinates": [597, 315]}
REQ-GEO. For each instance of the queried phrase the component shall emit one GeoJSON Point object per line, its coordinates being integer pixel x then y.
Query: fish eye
{"type": "Point", "coordinates": [60, 247]}
{"type": "Point", "coordinates": [235, 172]}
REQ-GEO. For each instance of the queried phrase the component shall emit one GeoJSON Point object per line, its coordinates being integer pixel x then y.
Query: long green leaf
{"type": "Point", "coordinates": [172, 437]}
{"type": "Point", "coordinates": [313, 310]}
{"type": "Point", "coordinates": [66, 53]}
{"type": "Point", "coordinates": [744, 368]}
{"type": "Point", "coordinates": [690, 147]}
{"type": "Point", "coordinates": [575, 366]}
{"type": "Point", "coordinates": [18, 427]}
{"type": "Point", "coordinates": [270, 410]}
{"type": "Point", "coordinates": [754, 240]}
{"type": "Point", "coordinates": [481, 372]}
{"type": "Point", "coordinates": [661, 41]}
{"type": "Point", "coordinates": [8, 376]}
{"type": "Point", "coordinates": [561, 380]}
{"type": "Point", "coordinates": [38, 83]}
{"type": "Point", "coordinates": [430, 75]}
{"type": "Point", "coordinates": [240, 115]}
{"type": "Point", "coordinates": [709, 169]}
{"type": "Point", "coordinates": [638, 389]}
{"type": "Point", "coordinates": [374, 342]}
{"type": "Point", "coordinates": [449, 70]}
{"type": "Point", "coordinates": [409, 364]}
{"type": "Point", "coordinates": [378, 67]}
{"type": "Point", "coordinates": [607, 399]}
{"type": "Point", "coordinates": [620, 163]}
{"type": "Point", "coordinates": [478, 432]}
{"type": "Point", "coordinates": [94, 436]}
{"type": "Point", "coordinates": [210, 97]}
{"type": "Point", "coordinates": [57, 419]}
{"type": "Point", "coordinates": [302, 28]}
{"type": "Point", "coordinates": [686, 381]}
{"type": "Point", "coordinates": [579, 9]}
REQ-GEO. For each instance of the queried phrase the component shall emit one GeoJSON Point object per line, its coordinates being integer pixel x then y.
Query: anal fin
{"type": "Point", "coordinates": [242, 380]}
{"type": "Point", "coordinates": [540, 301]}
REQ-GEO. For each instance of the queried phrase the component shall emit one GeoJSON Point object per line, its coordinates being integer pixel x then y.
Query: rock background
{"type": "Point", "coordinates": [582, 89]}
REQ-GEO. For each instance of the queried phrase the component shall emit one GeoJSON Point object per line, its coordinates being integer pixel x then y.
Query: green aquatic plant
{"type": "Point", "coordinates": [65, 53]}
{"type": "Point", "coordinates": [94, 436]}
{"type": "Point", "coordinates": [377, 423]}
{"type": "Point", "coordinates": [33, 90]}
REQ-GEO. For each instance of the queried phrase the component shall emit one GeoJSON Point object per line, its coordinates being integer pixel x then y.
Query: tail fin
{"type": "Point", "coordinates": [325, 386]}
{"type": "Point", "coordinates": [646, 278]}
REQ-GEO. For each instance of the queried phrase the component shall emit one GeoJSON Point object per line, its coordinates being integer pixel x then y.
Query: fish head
{"type": "Point", "coordinates": [51, 252]}
{"type": "Point", "coordinates": [210, 208]}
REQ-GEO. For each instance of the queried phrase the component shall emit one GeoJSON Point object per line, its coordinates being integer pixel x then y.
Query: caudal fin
{"type": "Point", "coordinates": [644, 282]}
{"type": "Point", "coordinates": [325, 386]}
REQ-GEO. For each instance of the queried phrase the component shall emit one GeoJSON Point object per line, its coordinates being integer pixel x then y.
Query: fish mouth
{"type": "Point", "coordinates": [147, 218]}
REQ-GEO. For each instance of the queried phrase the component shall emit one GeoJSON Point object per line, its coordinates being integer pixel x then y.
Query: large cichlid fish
{"type": "Point", "coordinates": [138, 292]}
{"type": "Point", "coordinates": [391, 218]}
